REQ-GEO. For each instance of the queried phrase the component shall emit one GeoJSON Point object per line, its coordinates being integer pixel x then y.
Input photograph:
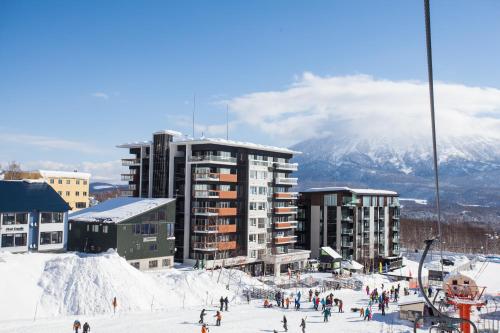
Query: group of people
{"type": "Point", "coordinates": [204, 327]}
{"type": "Point", "coordinates": [77, 326]}
{"type": "Point", "coordinates": [382, 299]}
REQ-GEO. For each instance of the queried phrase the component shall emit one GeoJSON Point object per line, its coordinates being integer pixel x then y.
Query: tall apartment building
{"type": "Point", "coordinates": [234, 202]}
{"type": "Point", "coordinates": [360, 224]}
{"type": "Point", "coordinates": [73, 187]}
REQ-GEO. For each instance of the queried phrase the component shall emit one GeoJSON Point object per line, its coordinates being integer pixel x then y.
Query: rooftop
{"type": "Point", "coordinates": [183, 139]}
{"type": "Point", "coordinates": [360, 191]}
{"type": "Point", "coordinates": [118, 209]}
{"type": "Point", "coordinates": [64, 174]}
{"type": "Point", "coordinates": [28, 196]}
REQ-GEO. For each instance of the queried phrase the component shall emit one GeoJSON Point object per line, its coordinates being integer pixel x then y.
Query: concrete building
{"type": "Point", "coordinates": [140, 230]}
{"type": "Point", "coordinates": [235, 206]}
{"type": "Point", "coordinates": [73, 187]}
{"type": "Point", "coordinates": [360, 224]}
{"type": "Point", "coordinates": [32, 217]}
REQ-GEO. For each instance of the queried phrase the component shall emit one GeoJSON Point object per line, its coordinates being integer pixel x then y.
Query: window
{"type": "Point", "coordinates": [81, 205]}
{"type": "Point", "coordinates": [331, 200]}
{"type": "Point", "coordinates": [104, 229]}
{"type": "Point", "coordinates": [15, 218]}
{"type": "Point", "coordinates": [162, 215]}
{"type": "Point", "coordinates": [258, 205]}
{"type": "Point", "coordinates": [135, 264]}
{"type": "Point", "coordinates": [59, 192]}
{"type": "Point", "coordinates": [11, 240]}
{"type": "Point", "coordinates": [52, 180]}
{"type": "Point", "coordinates": [55, 217]}
{"type": "Point", "coordinates": [46, 218]}
{"type": "Point", "coordinates": [59, 181]}
{"type": "Point", "coordinates": [153, 263]}
{"type": "Point", "coordinates": [77, 193]}
{"type": "Point", "coordinates": [170, 230]}
{"type": "Point", "coordinates": [84, 182]}
{"type": "Point", "coordinates": [95, 228]}
{"type": "Point", "coordinates": [253, 222]}
{"type": "Point", "coordinates": [165, 262]}
{"type": "Point", "coordinates": [153, 247]}
{"type": "Point", "coordinates": [68, 181]}
{"type": "Point", "coordinates": [77, 182]}
{"type": "Point", "coordinates": [67, 193]}
{"type": "Point", "coordinates": [54, 237]}
{"type": "Point", "coordinates": [84, 194]}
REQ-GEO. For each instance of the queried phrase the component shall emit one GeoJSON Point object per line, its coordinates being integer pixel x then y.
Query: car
{"type": "Point", "coordinates": [313, 265]}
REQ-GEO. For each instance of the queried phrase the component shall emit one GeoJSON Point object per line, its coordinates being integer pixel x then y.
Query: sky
{"type": "Point", "coordinates": [79, 77]}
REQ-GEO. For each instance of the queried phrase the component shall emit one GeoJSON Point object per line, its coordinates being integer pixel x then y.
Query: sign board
{"type": "Point", "coordinates": [149, 239]}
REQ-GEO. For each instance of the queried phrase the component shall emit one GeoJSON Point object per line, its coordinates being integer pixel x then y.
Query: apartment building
{"type": "Point", "coordinates": [32, 217]}
{"type": "Point", "coordinates": [360, 224]}
{"type": "Point", "coordinates": [73, 187]}
{"type": "Point", "coordinates": [140, 229]}
{"type": "Point", "coordinates": [235, 205]}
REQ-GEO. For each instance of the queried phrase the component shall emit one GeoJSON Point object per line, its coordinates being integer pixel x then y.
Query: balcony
{"type": "Point", "coordinates": [346, 231]}
{"type": "Point", "coordinates": [126, 193]}
{"type": "Point", "coordinates": [216, 177]}
{"type": "Point", "coordinates": [395, 228]}
{"type": "Point", "coordinates": [127, 177]}
{"type": "Point", "coordinates": [395, 239]}
{"type": "Point", "coordinates": [224, 246]}
{"type": "Point", "coordinates": [132, 187]}
{"type": "Point", "coordinates": [347, 219]}
{"type": "Point", "coordinates": [285, 239]}
{"type": "Point", "coordinates": [286, 166]}
{"type": "Point", "coordinates": [202, 246]}
{"type": "Point", "coordinates": [215, 229]}
{"type": "Point", "coordinates": [286, 195]}
{"type": "Point", "coordinates": [131, 161]}
{"type": "Point", "coordinates": [260, 163]}
{"type": "Point", "coordinates": [285, 225]}
{"type": "Point", "coordinates": [213, 159]}
{"type": "Point", "coordinates": [395, 217]}
{"type": "Point", "coordinates": [286, 181]}
{"type": "Point", "coordinates": [285, 210]}
{"type": "Point", "coordinates": [346, 244]}
{"type": "Point", "coordinates": [381, 230]}
{"type": "Point", "coordinates": [214, 194]}
{"type": "Point", "coordinates": [214, 211]}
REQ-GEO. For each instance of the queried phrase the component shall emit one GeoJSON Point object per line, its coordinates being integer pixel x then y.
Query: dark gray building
{"type": "Point", "coordinates": [141, 230]}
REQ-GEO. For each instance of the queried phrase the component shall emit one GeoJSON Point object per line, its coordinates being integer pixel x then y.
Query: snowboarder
{"type": "Point", "coordinates": [287, 302]}
{"type": "Point", "coordinates": [115, 304]}
{"type": "Point", "coordinates": [204, 328]}
{"type": "Point", "coordinates": [76, 326]}
{"type": "Point", "coordinates": [218, 318]}
{"type": "Point", "coordinates": [248, 296]}
{"type": "Point", "coordinates": [202, 316]}
{"type": "Point", "coordinates": [86, 328]}
{"type": "Point", "coordinates": [303, 325]}
{"type": "Point", "coordinates": [221, 303]}
{"type": "Point", "coordinates": [226, 302]}
{"type": "Point", "coordinates": [284, 321]}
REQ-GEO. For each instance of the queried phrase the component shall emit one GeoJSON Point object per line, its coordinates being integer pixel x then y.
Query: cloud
{"type": "Point", "coordinates": [49, 143]}
{"type": "Point", "coordinates": [207, 130]}
{"type": "Point", "coordinates": [108, 171]}
{"type": "Point", "coordinates": [315, 106]}
{"type": "Point", "coordinates": [101, 95]}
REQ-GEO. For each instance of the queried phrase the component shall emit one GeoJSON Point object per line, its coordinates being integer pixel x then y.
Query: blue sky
{"type": "Point", "coordinates": [79, 77]}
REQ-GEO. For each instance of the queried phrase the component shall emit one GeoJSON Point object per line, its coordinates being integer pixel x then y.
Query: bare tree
{"type": "Point", "coordinates": [13, 171]}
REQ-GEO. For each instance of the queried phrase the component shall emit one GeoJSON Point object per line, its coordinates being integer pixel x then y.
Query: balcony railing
{"type": "Point", "coordinates": [214, 194]}
{"type": "Point", "coordinates": [347, 218]}
{"type": "Point", "coordinates": [132, 187]}
{"type": "Point", "coordinates": [213, 159]}
{"type": "Point", "coordinates": [346, 244]}
{"type": "Point", "coordinates": [347, 231]}
{"type": "Point", "coordinates": [395, 228]}
{"type": "Point", "coordinates": [395, 217]}
{"type": "Point", "coordinates": [286, 181]}
{"type": "Point", "coordinates": [395, 239]}
{"type": "Point", "coordinates": [286, 195]}
{"type": "Point", "coordinates": [286, 166]}
{"type": "Point", "coordinates": [285, 225]}
{"type": "Point", "coordinates": [260, 163]}
{"type": "Point", "coordinates": [127, 177]}
{"type": "Point", "coordinates": [214, 246]}
{"type": "Point", "coordinates": [131, 161]}
{"type": "Point", "coordinates": [214, 211]}
{"type": "Point", "coordinates": [215, 229]}
{"type": "Point", "coordinates": [285, 239]}
{"type": "Point", "coordinates": [126, 193]}
{"type": "Point", "coordinates": [285, 210]}
{"type": "Point", "coordinates": [223, 246]}
{"type": "Point", "coordinates": [217, 177]}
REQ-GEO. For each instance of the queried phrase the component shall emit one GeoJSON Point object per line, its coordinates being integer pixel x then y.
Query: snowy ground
{"type": "Point", "coordinates": [47, 292]}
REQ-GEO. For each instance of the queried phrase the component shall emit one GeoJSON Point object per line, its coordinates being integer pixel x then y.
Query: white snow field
{"type": "Point", "coordinates": [45, 293]}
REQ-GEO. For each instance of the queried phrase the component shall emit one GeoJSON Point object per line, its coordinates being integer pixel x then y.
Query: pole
{"type": "Point", "coordinates": [227, 121]}
{"type": "Point", "coordinates": [194, 110]}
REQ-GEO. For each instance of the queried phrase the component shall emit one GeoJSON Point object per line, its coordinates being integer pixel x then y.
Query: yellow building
{"type": "Point", "coordinates": [73, 187]}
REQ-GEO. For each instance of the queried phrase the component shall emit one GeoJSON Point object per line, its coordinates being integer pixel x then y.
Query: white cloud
{"type": "Point", "coordinates": [207, 130]}
{"type": "Point", "coordinates": [101, 95]}
{"type": "Point", "coordinates": [314, 106]}
{"type": "Point", "coordinates": [49, 143]}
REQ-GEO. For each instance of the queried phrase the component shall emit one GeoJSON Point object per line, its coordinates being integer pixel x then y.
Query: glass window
{"type": "Point", "coordinates": [8, 240]}
{"type": "Point", "coordinates": [46, 218]}
{"type": "Point", "coordinates": [77, 193]}
{"type": "Point", "coordinates": [95, 228]}
{"type": "Point", "coordinates": [11, 240]}
{"type": "Point", "coordinates": [170, 230]}
{"type": "Point", "coordinates": [52, 180]}
{"type": "Point", "coordinates": [153, 247]}
{"type": "Point", "coordinates": [331, 200]}
{"type": "Point", "coordinates": [162, 215]}
{"type": "Point", "coordinates": [9, 218]}
{"type": "Point", "coordinates": [153, 263]}
{"type": "Point", "coordinates": [84, 182]}
{"type": "Point", "coordinates": [84, 194]}
{"type": "Point", "coordinates": [77, 182]}
{"type": "Point", "coordinates": [105, 229]}
{"type": "Point", "coordinates": [59, 181]}
{"type": "Point", "coordinates": [21, 218]}
{"type": "Point", "coordinates": [67, 193]}
{"type": "Point", "coordinates": [165, 262]}
{"type": "Point", "coordinates": [68, 181]}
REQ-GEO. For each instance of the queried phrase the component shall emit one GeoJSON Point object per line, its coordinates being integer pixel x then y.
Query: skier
{"type": "Point", "coordinates": [202, 315]}
{"type": "Point", "coordinates": [317, 303]}
{"type": "Point", "coordinates": [287, 302]}
{"type": "Point", "coordinates": [323, 303]}
{"type": "Point", "coordinates": [226, 302]}
{"type": "Point", "coordinates": [248, 296]}
{"type": "Point", "coordinates": [284, 321]}
{"type": "Point", "coordinates": [218, 318]}
{"type": "Point", "coordinates": [299, 294]}
{"type": "Point", "coordinates": [310, 294]}
{"type": "Point", "coordinates": [367, 314]}
{"type": "Point", "coordinates": [303, 325]}
{"type": "Point", "coordinates": [382, 307]}
{"type": "Point", "coordinates": [115, 304]}
{"type": "Point", "coordinates": [341, 306]}
{"type": "Point", "coordinates": [326, 314]}
{"type": "Point", "coordinates": [221, 303]}
{"type": "Point", "coordinates": [367, 290]}
{"type": "Point", "coordinates": [86, 328]}
{"type": "Point", "coordinates": [361, 312]}
{"type": "Point", "coordinates": [430, 291]}
{"type": "Point", "coordinates": [204, 328]}
{"type": "Point", "coordinates": [76, 326]}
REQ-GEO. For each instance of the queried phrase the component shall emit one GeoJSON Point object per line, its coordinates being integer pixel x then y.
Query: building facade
{"type": "Point", "coordinates": [140, 230]}
{"type": "Point", "coordinates": [360, 224]}
{"type": "Point", "coordinates": [234, 206]}
{"type": "Point", "coordinates": [32, 217]}
{"type": "Point", "coordinates": [73, 187]}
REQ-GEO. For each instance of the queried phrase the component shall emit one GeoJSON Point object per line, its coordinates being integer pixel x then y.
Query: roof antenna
{"type": "Point", "coordinates": [194, 109]}
{"type": "Point", "coordinates": [227, 121]}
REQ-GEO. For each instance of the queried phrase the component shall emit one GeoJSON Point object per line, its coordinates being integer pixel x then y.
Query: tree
{"type": "Point", "coordinates": [13, 171]}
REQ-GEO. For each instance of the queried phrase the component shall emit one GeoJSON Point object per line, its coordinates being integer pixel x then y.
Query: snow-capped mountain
{"type": "Point", "coordinates": [469, 166]}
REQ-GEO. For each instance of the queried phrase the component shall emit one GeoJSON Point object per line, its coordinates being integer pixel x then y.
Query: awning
{"type": "Point", "coordinates": [352, 265]}
{"type": "Point", "coordinates": [326, 250]}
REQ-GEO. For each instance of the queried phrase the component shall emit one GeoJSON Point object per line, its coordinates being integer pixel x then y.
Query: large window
{"type": "Point", "coordinates": [54, 237]}
{"type": "Point", "coordinates": [81, 205]}
{"type": "Point", "coordinates": [55, 217]}
{"type": "Point", "coordinates": [258, 205]}
{"type": "Point", "coordinates": [331, 200]}
{"type": "Point", "coordinates": [14, 218]}
{"type": "Point", "coordinates": [145, 229]}
{"type": "Point", "coordinates": [153, 263]}
{"type": "Point", "coordinates": [170, 230]}
{"type": "Point", "coordinates": [12, 240]}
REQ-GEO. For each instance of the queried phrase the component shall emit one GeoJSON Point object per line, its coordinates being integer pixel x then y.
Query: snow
{"type": "Point", "coordinates": [117, 209]}
{"type": "Point", "coordinates": [64, 174]}
{"type": "Point", "coordinates": [101, 187]}
{"type": "Point", "coordinates": [69, 286]}
{"type": "Point", "coordinates": [353, 190]}
{"type": "Point", "coordinates": [417, 201]}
